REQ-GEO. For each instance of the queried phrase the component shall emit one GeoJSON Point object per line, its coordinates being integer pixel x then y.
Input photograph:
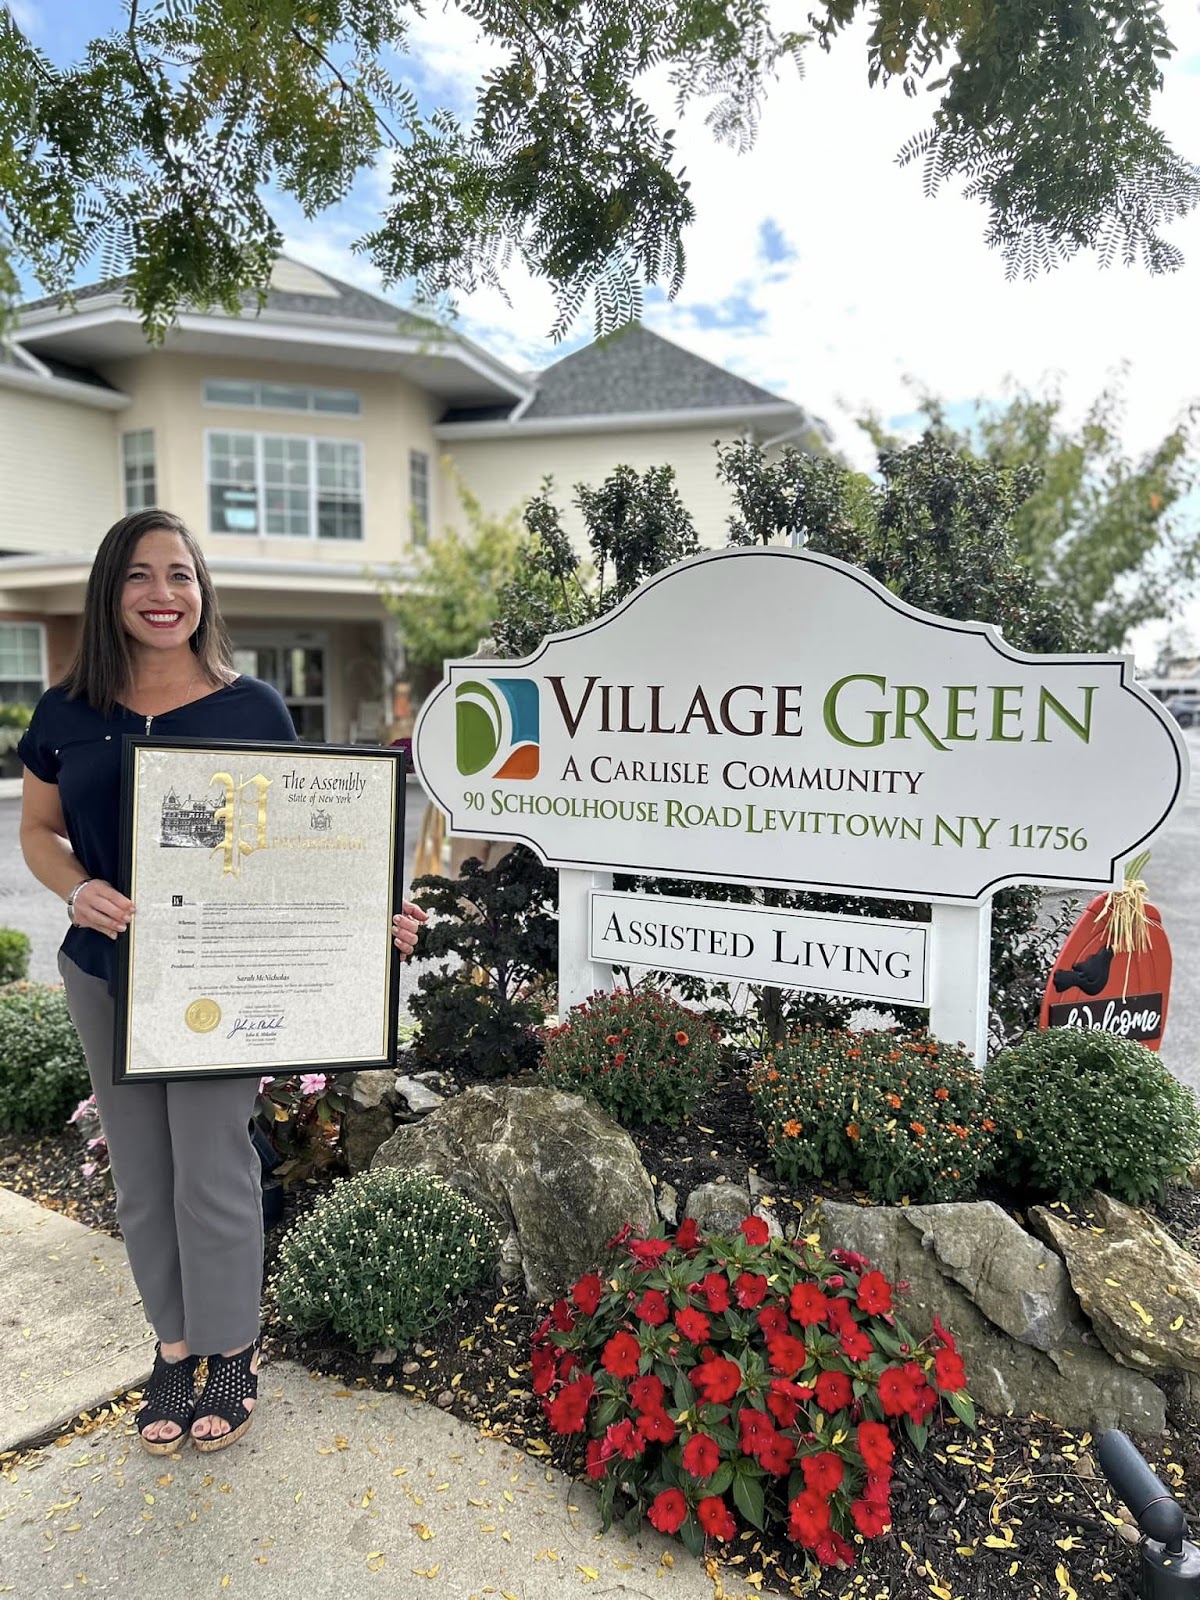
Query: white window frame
{"type": "Point", "coordinates": [309, 410]}
{"type": "Point", "coordinates": [124, 434]}
{"type": "Point", "coordinates": [420, 543]}
{"type": "Point", "coordinates": [312, 440]}
{"type": "Point", "coordinates": [43, 662]}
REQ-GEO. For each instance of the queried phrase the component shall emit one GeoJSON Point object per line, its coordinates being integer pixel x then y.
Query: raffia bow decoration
{"type": "Point", "coordinates": [1124, 916]}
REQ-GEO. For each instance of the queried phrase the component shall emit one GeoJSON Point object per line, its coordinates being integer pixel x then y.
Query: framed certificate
{"type": "Point", "coordinates": [265, 877]}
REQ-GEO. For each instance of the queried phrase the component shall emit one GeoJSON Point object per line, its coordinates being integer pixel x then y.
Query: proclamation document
{"type": "Point", "coordinates": [264, 878]}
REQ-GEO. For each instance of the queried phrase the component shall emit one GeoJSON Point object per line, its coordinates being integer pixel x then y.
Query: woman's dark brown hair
{"type": "Point", "coordinates": [100, 673]}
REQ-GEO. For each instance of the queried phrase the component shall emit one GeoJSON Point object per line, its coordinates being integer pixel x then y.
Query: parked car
{"type": "Point", "coordinates": [1185, 708]}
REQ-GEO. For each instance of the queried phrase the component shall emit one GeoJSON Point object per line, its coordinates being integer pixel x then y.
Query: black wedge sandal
{"type": "Point", "coordinates": [169, 1396]}
{"type": "Point", "coordinates": [230, 1382]}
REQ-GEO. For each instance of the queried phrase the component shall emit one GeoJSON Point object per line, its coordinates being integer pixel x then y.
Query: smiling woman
{"type": "Point", "coordinates": [154, 658]}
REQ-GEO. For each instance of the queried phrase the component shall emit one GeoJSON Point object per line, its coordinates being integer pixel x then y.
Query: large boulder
{"type": "Point", "coordinates": [721, 1208]}
{"type": "Point", "coordinates": [1140, 1289]}
{"type": "Point", "coordinates": [1008, 1303]}
{"type": "Point", "coordinates": [560, 1176]}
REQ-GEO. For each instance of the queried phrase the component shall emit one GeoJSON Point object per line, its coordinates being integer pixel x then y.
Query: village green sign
{"type": "Point", "coordinates": [775, 717]}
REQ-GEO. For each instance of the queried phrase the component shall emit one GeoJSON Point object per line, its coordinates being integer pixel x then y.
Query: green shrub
{"type": "Point", "coordinates": [638, 1053]}
{"type": "Point", "coordinates": [14, 719]}
{"type": "Point", "coordinates": [382, 1258]}
{"type": "Point", "coordinates": [1086, 1110]}
{"type": "Point", "coordinates": [900, 1115]}
{"type": "Point", "coordinates": [43, 1075]}
{"type": "Point", "coordinates": [14, 955]}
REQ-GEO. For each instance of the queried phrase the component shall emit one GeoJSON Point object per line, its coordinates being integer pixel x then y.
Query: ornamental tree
{"type": "Point", "coordinates": [704, 1377]}
{"type": "Point", "coordinates": [157, 150]}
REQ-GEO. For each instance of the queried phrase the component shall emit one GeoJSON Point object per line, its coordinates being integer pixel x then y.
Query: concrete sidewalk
{"type": "Point", "coordinates": [333, 1494]}
{"type": "Point", "coordinates": [72, 1331]}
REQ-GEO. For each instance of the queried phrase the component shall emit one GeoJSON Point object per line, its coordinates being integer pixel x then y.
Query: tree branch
{"type": "Point", "coordinates": [348, 88]}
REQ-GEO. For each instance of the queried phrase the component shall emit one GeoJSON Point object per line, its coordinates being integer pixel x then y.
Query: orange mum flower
{"type": "Point", "coordinates": [681, 1037]}
{"type": "Point", "coordinates": [852, 1130]}
{"type": "Point", "coordinates": [918, 1128]}
{"type": "Point", "coordinates": [893, 1100]}
{"type": "Point", "coordinates": [941, 1094]}
{"type": "Point", "coordinates": [792, 1128]}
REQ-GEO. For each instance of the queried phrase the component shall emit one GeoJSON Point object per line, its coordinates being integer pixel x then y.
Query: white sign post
{"type": "Point", "coordinates": [775, 717]}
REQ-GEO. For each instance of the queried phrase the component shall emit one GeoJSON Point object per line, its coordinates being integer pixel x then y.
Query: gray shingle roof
{"type": "Point", "coordinates": [346, 302]}
{"type": "Point", "coordinates": [639, 371]}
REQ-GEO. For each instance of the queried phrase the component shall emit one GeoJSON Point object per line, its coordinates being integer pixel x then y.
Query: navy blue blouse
{"type": "Point", "coordinates": [69, 743]}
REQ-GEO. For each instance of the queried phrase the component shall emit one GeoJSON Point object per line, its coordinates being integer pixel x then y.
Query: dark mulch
{"type": "Point", "coordinates": [1016, 1511]}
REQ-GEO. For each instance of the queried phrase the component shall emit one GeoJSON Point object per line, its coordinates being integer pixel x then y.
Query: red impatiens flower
{"type": "Point", "coordinates": [621, 1355]}
{"type": "Point", "coordinates": [943, 1333]}
{"type": "Point", "coordinates": [924, 1400]}
{"type": "Point", "coordinates": [875, 1445]}
{"type": "Point", "coordinates": [776, 1455]}
{"type": "Point", "coordinates": [808, 1519]}
{"type": "Point", "coordinates": [839, 1315]}
{"type": "Point", "coordinates": [787, 1355]}
{"type": "Point", "coordinates": [688, 1235]}
{"type": "Point", "coordinates": [668, 1511]}
{"type": "Point", "coordinates": [646, 1393]}
{"type": "Point", "coordinates": [773, 1320]}
{"type": "Point", "coordinates": [823, 1472]}
{"type": "Point", "coordinates": [750, 1289]}
{"type": "Point", "coordinates": [693, 1324]}
{"type": "Point", "coordinates": [648, 1252]}
{"type": "Point", "coordinates": [625, 1439]}
{"type": "Point", "coordinates": [754, 1230]}
{"type": "Point", "coordinates": [714, 1286]}
{"type": "Point", "coordinates": [949, 1370]}
{"type": "Point", "coordinates": [567, 1412]}
{"type": "Point", "coordinates": [879, 1486]}
{"type": "Point", "coordinates": [875, 1294]}
{"type": "Point", "coordinates": [658, 1426]}
{"type": "Point", "coordinates": [598, 1455]}
{"type": "Point", "coordinates": [856, 1345]}
{"type": "Point", "coordinates": [718, 1380]}
{"type": "Point", "coordinates": [895, 1391]}
{"type": "Point", "coordinates": [701, 1456]}
{"type": "Point", "coordinates": [652, 1308]}
{"type": "Point", "coordinates": [870, 1519]}
{"type": "Point", "coordinates": [833, 1549]}
{"type": "Point", "coordinates": [851, 1260]}
{"type": "Point", "coordinates": [716, 1518]}
{"type": "Point", "coordinates": [808, 1305]}
{"type": "Point", "coordinates": [545, 1368]}
{"type": "Point", "coordinates": [562, 1319]}
{"type": "Point", "coordinates": [834, 1391]}
{"type": "Point", "coordinates": [755, 1428]}
{"type": "Point", "coordinates": [586, 1293]}
{"type": "Point", "coordinates": [785, 1400]}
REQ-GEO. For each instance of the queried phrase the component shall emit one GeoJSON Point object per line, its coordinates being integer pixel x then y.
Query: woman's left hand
{"type": "Point", "coordinates": [405, 924]}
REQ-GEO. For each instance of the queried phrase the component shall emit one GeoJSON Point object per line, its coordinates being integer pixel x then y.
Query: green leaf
{"type": "Point", "coordinates": [692, 1535]}
{"type": "Point", "coordinates": [918, 1432]}
{"type": "Point", "coordinates": [748, 1497]}
{"type": "Point", "coordinates": [721, 1479]}
{"type": "Point", "coordinates": [963, 1407]}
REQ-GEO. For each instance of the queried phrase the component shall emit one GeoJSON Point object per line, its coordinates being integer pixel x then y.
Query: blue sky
{"type": "Point", "coordinates": [816, 266]}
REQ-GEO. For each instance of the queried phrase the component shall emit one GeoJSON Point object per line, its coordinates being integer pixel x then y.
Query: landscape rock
{"type": "Point", "coordinates": [948, 1255]}
{"type": "Point", "coordinates": [1140, 1289]}
{"type": "Point", "coordinates": [718, 1207]}
{"type": "Point", "coordinates": [364, 1129]}
{"type": "Point", "coordinates": [668, 1204]}
{"type": "Point", "coordinates": [370, 1089]}
{"type": "Point", "coordinates": [1193, 1175]}
{"type": "Point", "coordinates": [418, 1097]}
{"type": "Point", "coordinates": [555, 1171]}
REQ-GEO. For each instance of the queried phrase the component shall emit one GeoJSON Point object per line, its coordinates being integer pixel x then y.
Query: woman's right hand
{"type": "Point", "coordinates": [98, 905]}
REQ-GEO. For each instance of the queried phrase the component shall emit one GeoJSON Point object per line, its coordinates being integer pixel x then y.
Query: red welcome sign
{"type": "Point", "coordinates": [1114, 972]}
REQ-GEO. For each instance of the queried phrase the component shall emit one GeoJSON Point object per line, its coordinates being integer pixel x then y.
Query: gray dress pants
{"type": "Point", "coordinates": [188, 1182]}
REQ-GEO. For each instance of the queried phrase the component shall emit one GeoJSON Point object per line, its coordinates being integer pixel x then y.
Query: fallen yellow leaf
{"type": "Point", "coordinates": [1142, 1312]}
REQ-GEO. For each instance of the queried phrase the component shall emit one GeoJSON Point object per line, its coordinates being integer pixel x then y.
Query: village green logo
{"type": "Point", "coordinates": [498, 726]}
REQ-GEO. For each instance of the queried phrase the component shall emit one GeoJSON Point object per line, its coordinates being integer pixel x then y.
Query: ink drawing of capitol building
{"type": "Point", "coordinates": [190, 823]}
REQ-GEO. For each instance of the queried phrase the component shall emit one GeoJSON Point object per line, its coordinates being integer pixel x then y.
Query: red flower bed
{"type": "Point", "coordinates": [743, 1373]}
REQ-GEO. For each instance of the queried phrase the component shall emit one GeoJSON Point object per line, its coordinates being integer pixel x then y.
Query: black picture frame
{"type": "Point", "coordinates": [134, 744]}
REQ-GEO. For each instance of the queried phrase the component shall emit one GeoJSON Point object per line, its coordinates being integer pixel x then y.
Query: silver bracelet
{"type": "Point", "coordinates": [71, 898]}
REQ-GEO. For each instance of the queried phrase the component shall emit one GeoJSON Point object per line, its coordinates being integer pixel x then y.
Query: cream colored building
{"type": "Point", "coordinates": [313, 447]}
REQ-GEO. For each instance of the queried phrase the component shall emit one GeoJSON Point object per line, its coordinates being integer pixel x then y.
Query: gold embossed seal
{"type": "Point", "coordinates": [202, 1016]}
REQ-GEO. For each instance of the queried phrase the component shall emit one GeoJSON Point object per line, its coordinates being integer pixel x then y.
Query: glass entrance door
{"type": "Point", "coordinates": [298, 672]}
